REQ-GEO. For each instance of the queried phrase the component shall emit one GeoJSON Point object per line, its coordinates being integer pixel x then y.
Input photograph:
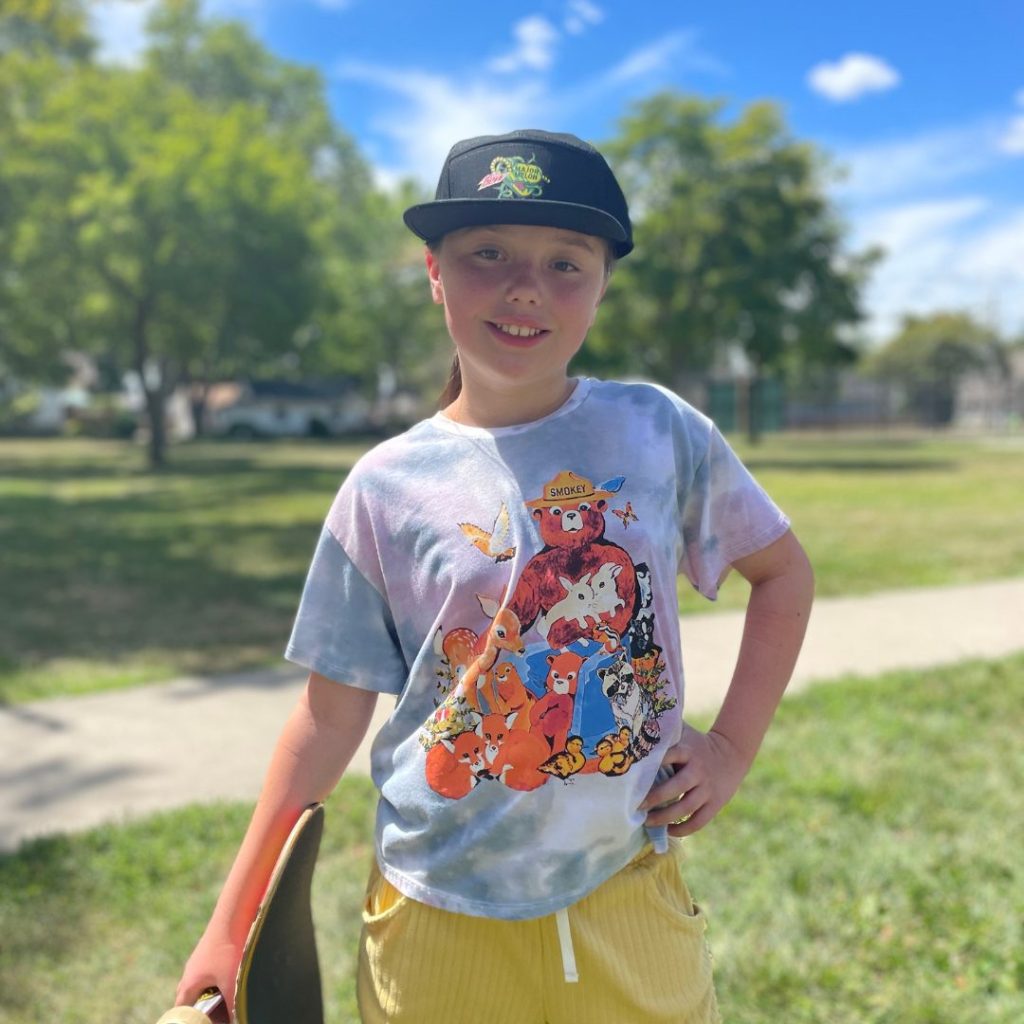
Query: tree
{"type": "Point", "coordinates": [930, 355]}
{"type": "Point", "coordinates": [737, 245]}
{"type": "Point", "coordinates": [41, 41]}
{"type": "Point", "coordinates": [380, 324]}
{"type": "Point", "coordinates": [174, 218]}
{"type": "Point", "coordinates": [158, 229]}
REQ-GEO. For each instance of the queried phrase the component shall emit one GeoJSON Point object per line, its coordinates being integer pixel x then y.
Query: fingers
{"type": "Point", "coordinates": [694, 823]}
{"type": "Point", "coordinates": [686, 779]}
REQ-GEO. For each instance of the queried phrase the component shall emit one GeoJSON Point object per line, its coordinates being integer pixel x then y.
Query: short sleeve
{"type": "Point", "coordinates": [725, 515]}
{"type": "Point", "coordinates": [344, 628]}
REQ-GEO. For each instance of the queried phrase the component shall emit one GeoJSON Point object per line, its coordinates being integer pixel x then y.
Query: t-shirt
{"type": "Point", "coordinates": [515, 588]}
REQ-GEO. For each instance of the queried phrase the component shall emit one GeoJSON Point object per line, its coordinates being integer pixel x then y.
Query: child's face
{"type": "Point", "coordinates": [518, 299]}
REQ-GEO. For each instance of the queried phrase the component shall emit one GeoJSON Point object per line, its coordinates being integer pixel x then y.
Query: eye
{"type": "Point", "coordinates": [488, 253]}
{"type": "Point", "coordinates": [565, 267]}
{"type": "Point", "coordinates": [584, 507]}
{"type": "Point", "coordinates": [556, 511]}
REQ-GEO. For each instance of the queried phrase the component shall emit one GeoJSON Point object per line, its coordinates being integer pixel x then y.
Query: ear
{"type": "Point", "coordinates": [434, 277]}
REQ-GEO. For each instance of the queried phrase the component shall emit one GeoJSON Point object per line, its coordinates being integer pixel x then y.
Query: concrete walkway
{"type": "Point", "coordinates": [71, 763]}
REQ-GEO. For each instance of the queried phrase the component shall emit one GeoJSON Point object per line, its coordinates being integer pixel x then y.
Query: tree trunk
{"type": "Point", "coordinates": [157, 428]}
{"type": "Point", "coordinates": [198, 394]}
{"type": "Point", "coordinates": [157, 447]}
{"type": "Point", "coordinates": [755, 406]}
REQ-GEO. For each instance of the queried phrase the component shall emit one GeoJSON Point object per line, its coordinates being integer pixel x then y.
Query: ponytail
{"type": "Point", "coordinates": [453, 388]}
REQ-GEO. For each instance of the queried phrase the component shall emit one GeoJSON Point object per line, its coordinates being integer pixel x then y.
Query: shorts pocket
{"type": "Point", "coordinates": [669, 894]}
{"type": "Point", "coordinates": [383, 901]}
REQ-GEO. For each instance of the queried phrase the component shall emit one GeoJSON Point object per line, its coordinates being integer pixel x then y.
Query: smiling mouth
{"type": "Point", "coordinates": [517, 331]}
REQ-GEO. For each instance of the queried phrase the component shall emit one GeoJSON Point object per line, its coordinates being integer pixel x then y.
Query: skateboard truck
{"type": "Point", "coordinates": [279, 973]}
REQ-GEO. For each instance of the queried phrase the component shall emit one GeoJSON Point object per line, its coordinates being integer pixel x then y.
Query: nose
{"type": "Point", "coordinates": [523, 285]}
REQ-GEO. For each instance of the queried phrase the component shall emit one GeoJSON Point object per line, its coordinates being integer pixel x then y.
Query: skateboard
{"type": "Point", "coordinates": [279, 973]}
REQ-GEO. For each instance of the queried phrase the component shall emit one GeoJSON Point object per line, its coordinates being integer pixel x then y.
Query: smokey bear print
{"type": "Point", "coordinates": [575, 634]}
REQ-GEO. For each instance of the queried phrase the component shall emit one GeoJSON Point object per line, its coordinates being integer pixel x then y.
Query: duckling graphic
{"type": "Point", "coordinates": [567, 762]}
{"type": "Point", "coordinates": [495, 543]}
{"type": "Point", "coordinates": [614, 757]}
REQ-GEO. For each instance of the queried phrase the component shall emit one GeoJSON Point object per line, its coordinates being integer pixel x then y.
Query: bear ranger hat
{"type": "Point", "coordinates": [568, 487]}
{"type": "Point", "coordinates": [526, 177]}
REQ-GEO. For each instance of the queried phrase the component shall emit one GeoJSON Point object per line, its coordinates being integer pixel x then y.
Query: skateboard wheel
{"type": "Point", "coordinates": [184, 1015]}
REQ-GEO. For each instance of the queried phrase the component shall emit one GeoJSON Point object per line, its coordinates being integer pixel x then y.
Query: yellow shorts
{"type": "Point", "coordinates": [636, 945]}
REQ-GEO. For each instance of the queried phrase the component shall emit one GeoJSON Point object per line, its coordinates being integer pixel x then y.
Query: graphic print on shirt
{"type": "Point", "coordinates": [566, 678]}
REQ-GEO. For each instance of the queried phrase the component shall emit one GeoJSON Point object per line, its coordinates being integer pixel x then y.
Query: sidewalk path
{"type": "Point", "coordinates": [71, 763]}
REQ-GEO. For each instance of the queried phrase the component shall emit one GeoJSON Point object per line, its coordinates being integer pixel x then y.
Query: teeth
{"type": "Point", "coordinates": [518, 332]}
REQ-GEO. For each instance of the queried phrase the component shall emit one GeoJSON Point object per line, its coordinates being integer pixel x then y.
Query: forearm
{"type": "Point", "coordinates": [314, 748]}
{"type": "Point", "coordinates": [774, 628]}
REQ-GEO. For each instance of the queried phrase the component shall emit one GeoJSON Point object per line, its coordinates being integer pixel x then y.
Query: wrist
{"type": "Point", "coordinates": [743, 751]}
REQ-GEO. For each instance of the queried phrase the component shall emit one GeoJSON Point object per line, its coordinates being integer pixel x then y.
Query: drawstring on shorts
{"type": "Point", "coordinates": [565, 942]}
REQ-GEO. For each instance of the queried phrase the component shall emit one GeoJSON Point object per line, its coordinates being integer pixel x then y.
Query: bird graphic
{"type": "Point", "coordinates": [614, 485]}
{"type": "Point", "coordinates": [494, 544]}
{"type": "Point", "coordinates": [627, 515]}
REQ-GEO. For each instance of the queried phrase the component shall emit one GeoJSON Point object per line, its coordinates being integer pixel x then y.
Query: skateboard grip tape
{"type": "Point", "coordinates": [279, 976]}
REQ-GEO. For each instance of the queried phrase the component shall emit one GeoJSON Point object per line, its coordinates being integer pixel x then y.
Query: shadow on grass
{"type": "Point", "coordinates": [212, 565]}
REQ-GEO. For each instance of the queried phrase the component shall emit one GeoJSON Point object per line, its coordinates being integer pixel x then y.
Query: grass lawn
{"type": "Point", "coordinates": [869, 872]}
{"type": "Point", "coordinates": [111, 575]}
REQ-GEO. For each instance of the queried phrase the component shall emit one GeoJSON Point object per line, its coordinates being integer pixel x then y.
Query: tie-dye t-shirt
{"type": "Point", "coordinates": [515, 588]}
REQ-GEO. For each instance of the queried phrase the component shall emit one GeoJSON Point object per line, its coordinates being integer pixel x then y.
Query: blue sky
{"type": "Point", "coordinates": [922, 103]}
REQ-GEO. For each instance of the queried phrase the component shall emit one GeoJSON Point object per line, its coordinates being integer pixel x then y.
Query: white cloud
{"type": "Point", "coordinates": [435, 111]}
{"type": "Point", "coordinates": [852, 77]}
{"type": "Point", "coordinates": [1013, 141]}
{"type": "Point", "coordinates": [119, 26]}
{"type": "Point", "coordinates": [962, 253]}
{"type": "Point", "coordinates": [535, 46]}
{"type": "Point", "coordinates": [429, 111]}
{"type": "Point", "coordinates": [678, 50]}
{"type": "Point", "coordinates": [913, 224]}
{"type": "Point", "coordinates": [581, 15]}
{"type": "Point", "coordinates": [907, 166]}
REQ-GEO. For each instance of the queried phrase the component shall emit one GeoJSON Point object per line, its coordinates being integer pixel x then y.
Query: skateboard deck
{"type": "Point", "coordinates": [279, 973]}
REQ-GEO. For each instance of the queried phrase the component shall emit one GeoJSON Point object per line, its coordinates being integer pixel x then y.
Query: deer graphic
{"type": "Point", "coordinates": [471, 657]}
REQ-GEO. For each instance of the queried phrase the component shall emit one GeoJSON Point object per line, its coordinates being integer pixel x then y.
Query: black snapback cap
{"type": "Point", "coordinates": [526, 177]}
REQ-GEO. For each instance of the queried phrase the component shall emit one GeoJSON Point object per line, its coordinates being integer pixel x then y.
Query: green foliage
{"type": "Point", "coordinates": [930, 355]}
{"type": "Point", "coordinates": [57, 28]}
{"type": "Point", "coordinates": [736, 245]}
{"type": "Point", "coordinates": [171, 217]}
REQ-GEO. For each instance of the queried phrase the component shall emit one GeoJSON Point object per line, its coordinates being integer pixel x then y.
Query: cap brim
{"type": "Point", "coordinates": [430, 221]}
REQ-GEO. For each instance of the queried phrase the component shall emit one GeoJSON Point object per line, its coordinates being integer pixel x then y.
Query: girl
{"type": "Point", "coordinates": [507, 570]}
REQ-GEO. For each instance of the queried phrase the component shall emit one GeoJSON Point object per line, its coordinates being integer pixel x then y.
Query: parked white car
{"type": "Point", "coordinates": [285, 409]}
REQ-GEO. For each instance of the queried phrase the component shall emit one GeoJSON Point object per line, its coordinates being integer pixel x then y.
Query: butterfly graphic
{"type": "Point", "coordinates": [495, 543]}
{"type": "Point", "coordinates": [627, 515]}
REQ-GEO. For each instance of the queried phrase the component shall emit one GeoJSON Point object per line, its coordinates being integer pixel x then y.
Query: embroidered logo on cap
{"type": "Point", "coordinates": [517, 178]}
